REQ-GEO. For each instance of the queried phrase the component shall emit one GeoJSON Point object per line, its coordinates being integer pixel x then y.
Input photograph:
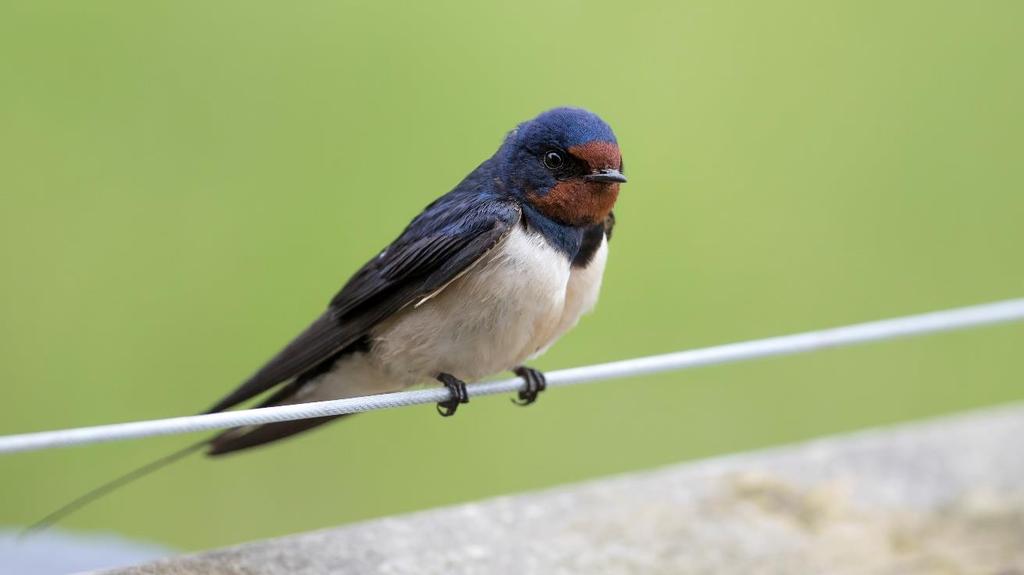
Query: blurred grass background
{"type": "Point", "coordinates": [186, 184]}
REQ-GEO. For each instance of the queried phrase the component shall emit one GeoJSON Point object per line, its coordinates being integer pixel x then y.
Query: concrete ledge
{"type": "Point", "coordinates": [943, 496]}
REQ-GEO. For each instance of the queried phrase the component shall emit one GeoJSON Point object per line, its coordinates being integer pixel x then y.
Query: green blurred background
{"type": "Point", "coordinates": [186, 184]}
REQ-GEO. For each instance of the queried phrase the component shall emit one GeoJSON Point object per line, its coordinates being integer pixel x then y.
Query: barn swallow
{"type": "Point", "coordinates": [487, 277]}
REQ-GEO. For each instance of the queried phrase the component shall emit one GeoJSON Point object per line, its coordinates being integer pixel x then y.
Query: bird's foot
{"type": "Point", "coordinates": [457, 387]}
{"type": "Point", "coordinates": [535, 383]}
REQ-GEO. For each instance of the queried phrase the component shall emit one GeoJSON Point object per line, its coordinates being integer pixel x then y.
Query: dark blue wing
{"type": "Point", "coordinates": [446, 239]}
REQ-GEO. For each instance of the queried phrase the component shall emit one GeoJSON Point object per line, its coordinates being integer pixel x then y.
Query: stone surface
{"type": "Point", "coordinates": [943, 496]}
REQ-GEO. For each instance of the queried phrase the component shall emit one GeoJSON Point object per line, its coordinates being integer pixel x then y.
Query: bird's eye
{"type": "Point", "coordinates": [553, 160]}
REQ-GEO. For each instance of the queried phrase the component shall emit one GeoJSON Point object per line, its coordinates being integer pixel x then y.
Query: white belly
{"type": "Point", "coordinates": [509, 307]}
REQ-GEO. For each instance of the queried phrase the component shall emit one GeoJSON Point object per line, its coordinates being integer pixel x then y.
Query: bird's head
{"type": "Point", "coordinates": [566, 163]}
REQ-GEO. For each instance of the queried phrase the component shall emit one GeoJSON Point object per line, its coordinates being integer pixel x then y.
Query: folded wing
{"type": "Point", "coordinates": [436, 248]}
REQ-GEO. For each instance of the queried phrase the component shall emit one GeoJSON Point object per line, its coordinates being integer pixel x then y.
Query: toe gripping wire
{"type": "Point", "coordinates": [535, 383]}
{"type": "Point", "coordinates": [460, 394]}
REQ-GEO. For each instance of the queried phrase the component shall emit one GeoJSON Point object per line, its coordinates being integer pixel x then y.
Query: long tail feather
{"type": "Point", "coordinates": [113, 484]}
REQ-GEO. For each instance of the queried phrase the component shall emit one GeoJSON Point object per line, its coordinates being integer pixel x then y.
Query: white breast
{"type": "Point", "coordinates": [580, 295]}
{"type": "Point", "coordinates": [511, 306]}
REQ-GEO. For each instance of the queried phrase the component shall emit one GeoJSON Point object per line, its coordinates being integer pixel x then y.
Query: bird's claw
{"type": "Point", "coordinates": [535, 383]}
{"type": "Point", "coordinates": [457, 387]}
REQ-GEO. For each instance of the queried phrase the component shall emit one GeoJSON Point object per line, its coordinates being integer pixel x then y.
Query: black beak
{"type": "Point", "coordinates": [605, 175]}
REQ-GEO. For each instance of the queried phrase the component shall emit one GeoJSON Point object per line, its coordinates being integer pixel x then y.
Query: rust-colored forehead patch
{"type": "Point", "coordinates": [598, 155]}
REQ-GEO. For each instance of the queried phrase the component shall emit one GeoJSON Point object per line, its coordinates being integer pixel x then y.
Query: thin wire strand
{"type": "Point", "coordinates": [934, 322]}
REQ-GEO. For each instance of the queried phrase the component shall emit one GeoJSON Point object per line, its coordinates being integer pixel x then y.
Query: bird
{"type": "Point", "coordinates": [487, 277]}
